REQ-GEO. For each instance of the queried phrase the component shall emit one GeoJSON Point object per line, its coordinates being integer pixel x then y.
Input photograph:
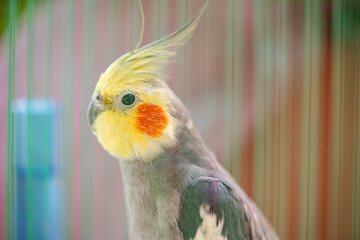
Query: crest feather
{"type": "Point", "coordinates": [146, 63]}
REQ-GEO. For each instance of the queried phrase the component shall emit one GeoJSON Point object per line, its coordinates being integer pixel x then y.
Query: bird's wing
{"type": "Point", "coordinates": [209, 209]}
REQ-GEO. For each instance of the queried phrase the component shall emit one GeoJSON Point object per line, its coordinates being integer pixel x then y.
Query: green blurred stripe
{"type": "Point", "coordinates": [181, 57]}
{"type": "Point", "coordinates": [47, 84]}
{"type": "Point", "coordinates": [68, 101]}
{"type": "Point", "coordinates": [309, 184]}
{"type": "Point", "coordinates": [188, 53]}
{"type": "Point", "coordinates": [259, 81]}
{"type": "Point", "coordinates": [336, 114]}
{"type": "Point", "coordinates": [356, 168]}
{"type": "Point", "coordinates": [29, 121]}
{"type": "Point", "coordinates": [340, 99]}
{"type": "Point", "coordinates": [155, 20]}
{"type": "Point", "coordinates": [10, 124]}
{"type": "Point", "coordinates": [87, 164]}
{"type": "Point", "coordinates": [228, 86]}
{"type": "Point", "coordinates": [236, 97]}
{"type": "Point", "coordinates": [111, 55]}
{"type": "Point", "coordinates": [283, 160]}
{"type": "Point", "coordinates": [48, 61]}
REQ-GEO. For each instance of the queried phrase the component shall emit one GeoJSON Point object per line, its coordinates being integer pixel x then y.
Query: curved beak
{"type": "Point", "coordinates": [92, 113]}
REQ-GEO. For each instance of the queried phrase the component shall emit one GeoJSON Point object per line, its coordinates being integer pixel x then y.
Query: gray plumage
{"type": "Point", "coordinates": [160, 193]}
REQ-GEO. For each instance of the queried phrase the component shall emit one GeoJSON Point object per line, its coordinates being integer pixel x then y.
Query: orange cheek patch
{"type": "Point", "coordinates": [151, 119]}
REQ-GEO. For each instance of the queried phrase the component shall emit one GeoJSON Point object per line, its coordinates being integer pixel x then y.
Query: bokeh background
{"type": "Point", "coordinates": [272, 85]}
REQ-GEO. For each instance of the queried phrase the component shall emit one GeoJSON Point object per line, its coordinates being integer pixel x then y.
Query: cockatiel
{"type": "Point", "coordinates": [174, 186]}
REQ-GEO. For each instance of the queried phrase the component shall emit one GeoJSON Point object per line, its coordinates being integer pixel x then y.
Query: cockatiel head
{"type": "Point", "coordinates": [133, 112]}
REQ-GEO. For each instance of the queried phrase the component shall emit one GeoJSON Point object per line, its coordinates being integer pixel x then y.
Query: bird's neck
{"type": "Point", "coordinates": [152, 189]}
{"type": "Point", "coordinates": [152, 197]}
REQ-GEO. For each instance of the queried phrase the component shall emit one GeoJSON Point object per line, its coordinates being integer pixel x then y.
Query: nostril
{"type": "Point", "coordinates": [98, 97]}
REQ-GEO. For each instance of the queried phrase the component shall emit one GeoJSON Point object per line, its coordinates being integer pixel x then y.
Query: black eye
{"type": "Point", "coordinates": [128, 99]}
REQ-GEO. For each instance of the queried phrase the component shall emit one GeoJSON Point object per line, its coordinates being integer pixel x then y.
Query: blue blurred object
{"type": "Point", "coordinates": [36, 153]}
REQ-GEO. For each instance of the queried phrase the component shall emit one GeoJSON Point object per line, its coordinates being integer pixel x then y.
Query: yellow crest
{"type": "Point", "coordinates": [145, 64]}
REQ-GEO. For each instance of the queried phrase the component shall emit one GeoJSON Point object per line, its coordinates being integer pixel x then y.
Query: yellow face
{"type": "Point", "coordinates": [132, 122]}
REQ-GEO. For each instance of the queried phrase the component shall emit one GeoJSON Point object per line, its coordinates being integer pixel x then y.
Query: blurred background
{"type": "Point", "coordinates": [272, 85]}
